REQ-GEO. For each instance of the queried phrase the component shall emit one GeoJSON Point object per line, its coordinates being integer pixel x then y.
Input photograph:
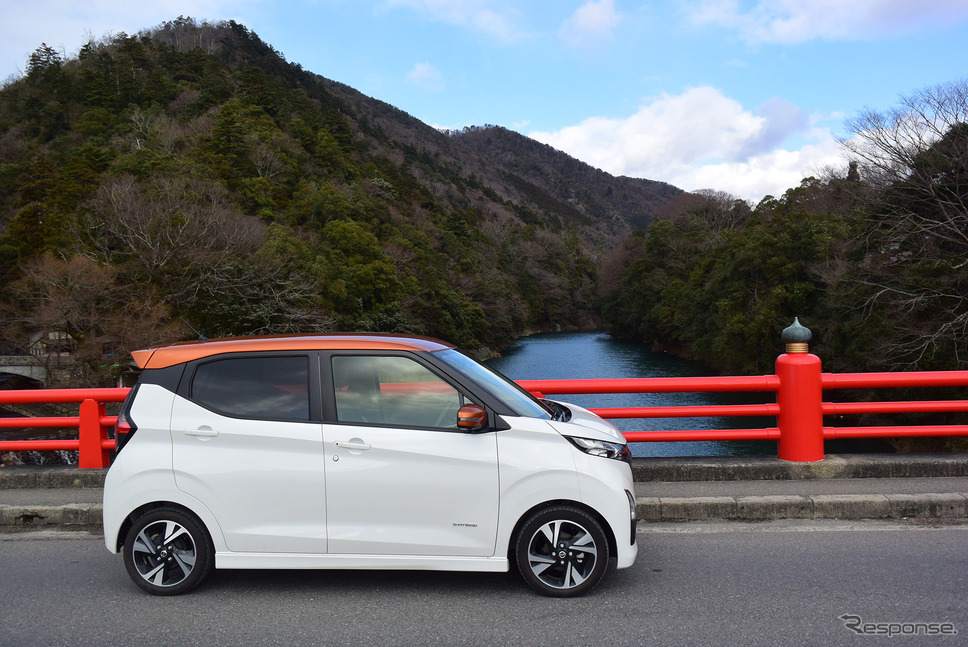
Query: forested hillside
{"type": "Point", "coordinates": [874, 259]}
{"type": "Point", "coordinates": [190, 172]}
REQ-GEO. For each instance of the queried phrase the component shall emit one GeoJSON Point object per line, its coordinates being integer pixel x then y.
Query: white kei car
{"type": "Point", "coordinates": [359, 452]}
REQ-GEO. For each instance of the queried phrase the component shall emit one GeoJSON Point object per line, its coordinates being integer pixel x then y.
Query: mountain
{"type": "Point", "coordinates": [547, 176]}
{"type": "Point", "coordinates": [190, 173]}
{"type": "Point", "coordinates": [530, 180]}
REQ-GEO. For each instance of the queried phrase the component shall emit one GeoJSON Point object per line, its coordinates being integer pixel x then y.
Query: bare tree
{"type": "Point", "coordinates": [718, 211]}
{"type": "Point", "coordinates": [183, 237]}
{"type": "Point", "coordinates": [887, 144]}
{"type": "Point", "coordinates": [83, 303]}
{"type": "Point", "coordinates": [919, 148]}
{"type": "Point", "coordinates": [172, 227]}
{"type": "Point", "coordinates": [914, 278]}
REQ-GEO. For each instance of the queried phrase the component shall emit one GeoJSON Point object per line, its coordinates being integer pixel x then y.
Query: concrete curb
{"type": "Point", "coordinates": [833, 466]}
{"type": "Point", "coordinates": [821, 506]}
{"type": "Point", "coordinates": [69, 514]}
{"type": "Point", "coordinates": [56, 477]}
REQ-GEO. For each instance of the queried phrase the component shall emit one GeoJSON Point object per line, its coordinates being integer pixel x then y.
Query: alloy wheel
{"type": "Point", "coordinates": [164, 553]}
{"type": "Point", "coordinates": [562, 554]}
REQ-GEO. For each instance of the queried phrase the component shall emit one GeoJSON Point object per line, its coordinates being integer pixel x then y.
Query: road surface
{"type": "Point", "coordinates": [779, 583]}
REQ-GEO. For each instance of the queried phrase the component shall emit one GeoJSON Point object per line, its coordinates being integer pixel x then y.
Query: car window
{"type": "Point", "coordinates": [393, 391]}
{"type": "Point", "coordinates": [274, 388]}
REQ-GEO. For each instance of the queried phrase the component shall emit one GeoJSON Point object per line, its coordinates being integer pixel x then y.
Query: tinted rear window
{"type": "Point", "coordinates": [275, 388]}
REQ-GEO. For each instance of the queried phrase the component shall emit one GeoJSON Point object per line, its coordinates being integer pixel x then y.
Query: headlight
{"type": "Point", "coordinates": [602, 448]}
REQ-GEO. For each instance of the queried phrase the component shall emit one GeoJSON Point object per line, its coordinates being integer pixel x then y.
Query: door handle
{"type": "Point", "coordinates": [349, 444]}
{"type": "Point", "coordinates": [203, 432]}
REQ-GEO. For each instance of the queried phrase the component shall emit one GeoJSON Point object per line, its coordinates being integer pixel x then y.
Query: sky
{"type": "Point", "coordinates": [743, 96]}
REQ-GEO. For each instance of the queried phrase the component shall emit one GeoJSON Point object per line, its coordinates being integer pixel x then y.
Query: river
{"type": "Point", "coordinates": [591, 355]}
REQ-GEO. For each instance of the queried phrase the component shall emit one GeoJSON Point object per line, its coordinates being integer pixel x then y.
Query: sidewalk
{"type": "Point", "coordinates": [667, 489]}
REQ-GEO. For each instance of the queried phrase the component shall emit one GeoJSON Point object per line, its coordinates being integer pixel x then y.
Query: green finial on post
{"type": "Point", "coordinates": [797, 337]}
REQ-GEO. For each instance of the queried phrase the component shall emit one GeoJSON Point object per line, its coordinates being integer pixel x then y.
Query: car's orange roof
{"type": "Point", "coordinates": [180, 352]}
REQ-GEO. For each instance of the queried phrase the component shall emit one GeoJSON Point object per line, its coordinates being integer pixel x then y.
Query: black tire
{"type": "Point", "coordinates": [561, 551]}
{"type": "Point", "coordinates": [168, 552]}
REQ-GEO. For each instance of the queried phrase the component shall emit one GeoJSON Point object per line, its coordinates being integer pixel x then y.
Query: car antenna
{"type": "Point", "coordinates": [201, 337]}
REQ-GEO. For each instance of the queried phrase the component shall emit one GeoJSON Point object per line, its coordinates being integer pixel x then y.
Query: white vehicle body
{"type": "Point", "coordinates": [323, 492]}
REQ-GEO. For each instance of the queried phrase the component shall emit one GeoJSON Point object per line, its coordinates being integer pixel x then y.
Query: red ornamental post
{"type": "Point", "coordinates": [800, 398]}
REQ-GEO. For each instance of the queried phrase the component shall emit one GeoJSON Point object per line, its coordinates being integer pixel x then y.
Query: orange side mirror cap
{"type": "Point", "coordinates": [471, 417]}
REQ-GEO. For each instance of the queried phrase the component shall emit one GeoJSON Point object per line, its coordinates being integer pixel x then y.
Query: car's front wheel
{"type": "Point", "coordinates": [167, 552]}
{"type": "Point", "coordinates": [562, 551]}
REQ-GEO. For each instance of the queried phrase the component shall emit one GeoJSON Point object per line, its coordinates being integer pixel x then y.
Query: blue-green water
{"type": "Point", "coordinates": [561, 356]}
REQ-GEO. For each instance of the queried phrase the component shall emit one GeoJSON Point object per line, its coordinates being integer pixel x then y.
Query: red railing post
{"type": "Point", "coordinates": [800, 398]}
{"type": "Point", "coordinates": [92, 436]}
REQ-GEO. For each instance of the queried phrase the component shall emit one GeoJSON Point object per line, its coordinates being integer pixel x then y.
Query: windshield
{"type": "Point", "coordinates": [520, 401]}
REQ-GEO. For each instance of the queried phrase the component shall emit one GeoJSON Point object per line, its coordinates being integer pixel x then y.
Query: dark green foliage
{"type": "Point", "coordinates": [715, 281]}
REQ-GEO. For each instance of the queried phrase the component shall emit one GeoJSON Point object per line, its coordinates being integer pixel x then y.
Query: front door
{"type": "Point", "coordinates": [400, 478]}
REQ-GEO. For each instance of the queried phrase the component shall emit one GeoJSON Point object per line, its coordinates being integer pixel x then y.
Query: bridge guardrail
{"type": "Point", "coordinates": [799, 384]}
{"type": "Point", "coordinates": [799, 409]}
{"type": "Point", "coordinates": [810, 447]}
{"type": "Point", "coordinates": [93, 444]}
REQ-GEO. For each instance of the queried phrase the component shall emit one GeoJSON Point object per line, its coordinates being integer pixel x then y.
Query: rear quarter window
{"type": "Point", "coordinates": [271, 388]}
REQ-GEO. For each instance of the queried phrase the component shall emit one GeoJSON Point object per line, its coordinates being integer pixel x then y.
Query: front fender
{"type": "Point", "coordinates": [537, 466]}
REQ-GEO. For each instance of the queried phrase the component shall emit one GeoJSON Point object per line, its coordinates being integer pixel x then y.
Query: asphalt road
{"type": "Point", "coordinates": [781, 583]}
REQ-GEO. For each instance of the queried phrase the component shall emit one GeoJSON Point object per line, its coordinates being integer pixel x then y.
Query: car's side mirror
{"type": "Point", "coordinates": [471, 417]}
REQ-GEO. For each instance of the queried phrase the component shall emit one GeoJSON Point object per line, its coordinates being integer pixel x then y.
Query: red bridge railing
{"type": "Point", "coordinates": [799, 409]}
{"type": "Point", "coordinates": [810, 444]}
{"type": "Point", "coordinates": [93, 444]}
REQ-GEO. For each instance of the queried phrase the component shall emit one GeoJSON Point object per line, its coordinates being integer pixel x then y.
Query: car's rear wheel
{"type": "Point", "coordinates": [562, 551]}
{"type": "Point", "coordinates": [167, 552]}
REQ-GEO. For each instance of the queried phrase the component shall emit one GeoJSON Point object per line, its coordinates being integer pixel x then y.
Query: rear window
{"type": "Point", "coordinates": [273, 388]}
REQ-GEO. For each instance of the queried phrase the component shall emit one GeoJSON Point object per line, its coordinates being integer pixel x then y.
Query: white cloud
{"type": "Point", "coordinates": [702, 139]}
{"type": "Point", "coordinates": [796, 21]}
{"type": "Point", "coordinates": [780, 119]}
{"type": "Point", "coordinates": [493, 17]}
{"type": "Point", "coordinates": [590, 25]}
{"type": "Point", "coordinates": [426, 76]}
{"type": "Point", "coordinates": [770, 173]}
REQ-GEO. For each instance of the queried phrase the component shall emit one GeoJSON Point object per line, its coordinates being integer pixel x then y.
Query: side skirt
{"type": "Point", "coordinates": [229, 560]}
